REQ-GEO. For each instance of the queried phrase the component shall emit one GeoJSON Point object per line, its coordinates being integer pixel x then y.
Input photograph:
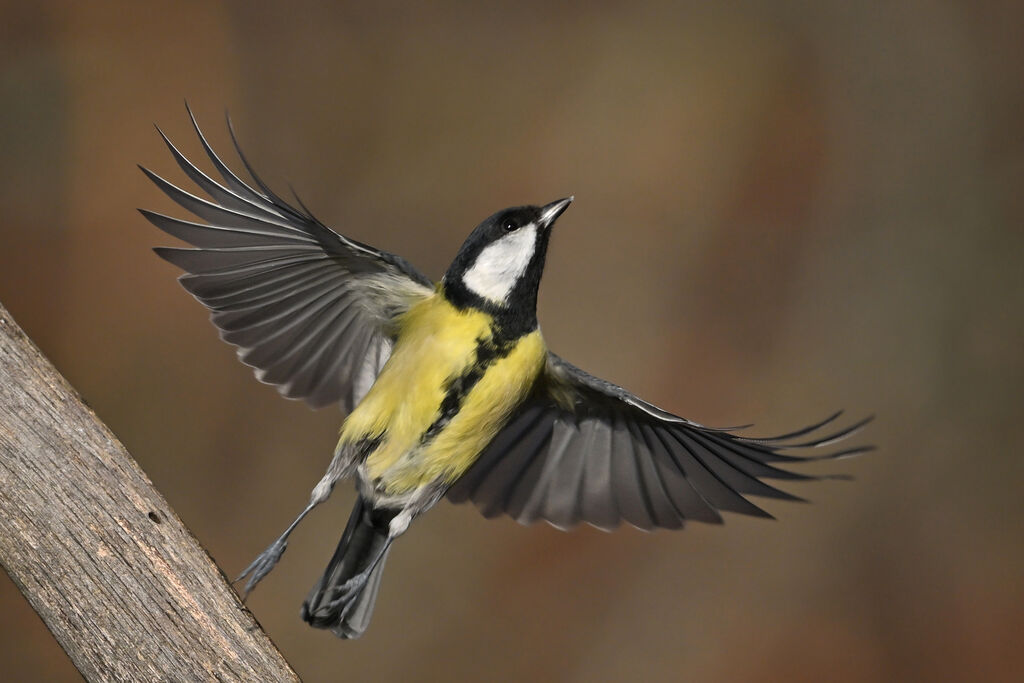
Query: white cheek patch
{"type": "Point", "coordinates": [499, 266]}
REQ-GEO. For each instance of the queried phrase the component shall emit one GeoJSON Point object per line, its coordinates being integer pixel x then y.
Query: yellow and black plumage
{"type": "Point", "coordinates": [449, 387]}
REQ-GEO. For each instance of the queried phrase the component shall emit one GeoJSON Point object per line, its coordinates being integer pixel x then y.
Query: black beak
{"type": "Point", "coordinates": [549, 213]}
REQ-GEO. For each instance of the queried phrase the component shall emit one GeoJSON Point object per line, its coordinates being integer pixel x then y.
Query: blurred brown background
{"type": "Point", "coordinates": [782, 208]}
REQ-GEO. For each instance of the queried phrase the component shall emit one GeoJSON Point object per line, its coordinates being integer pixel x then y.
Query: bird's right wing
{"type": "Point", "coordinates": [581, 449]}
{"type": "Point", "coordinates": [311, 310]}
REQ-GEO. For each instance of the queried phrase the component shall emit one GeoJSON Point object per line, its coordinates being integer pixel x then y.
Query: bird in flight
{"type": "Point", "coordinates": [448, 387]}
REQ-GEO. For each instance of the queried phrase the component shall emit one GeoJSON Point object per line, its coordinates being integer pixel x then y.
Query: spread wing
{"type": "Point", "coordinates": [309, 309]}
{"type": "Point", "coordinates": [581, 449]}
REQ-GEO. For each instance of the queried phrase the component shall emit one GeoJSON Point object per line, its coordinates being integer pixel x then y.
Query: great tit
{"type": "Point", "coordinates": [448, 388]}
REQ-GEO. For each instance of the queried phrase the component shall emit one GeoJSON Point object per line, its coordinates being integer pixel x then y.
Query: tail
{"type": "Point", "coordinates": [343, 599]}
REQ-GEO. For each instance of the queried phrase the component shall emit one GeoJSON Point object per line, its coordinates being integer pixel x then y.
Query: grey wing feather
{"type": "Point", "coordinates": [582, 449]}
{"type": "Point", "coordinates": [309, 309]}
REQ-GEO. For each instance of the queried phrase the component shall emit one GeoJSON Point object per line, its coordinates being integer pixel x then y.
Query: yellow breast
{"type": "Point", "coordinates": [436, 343]}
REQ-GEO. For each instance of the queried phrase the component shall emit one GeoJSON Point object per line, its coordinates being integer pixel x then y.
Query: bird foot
{"type": "Point", "coordinates": [343, 595]}
{"type": "Point", "coordinates": [261, 566]}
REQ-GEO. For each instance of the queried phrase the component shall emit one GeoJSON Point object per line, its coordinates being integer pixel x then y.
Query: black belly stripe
{"type": "Point", "coordinates": [488, 352]}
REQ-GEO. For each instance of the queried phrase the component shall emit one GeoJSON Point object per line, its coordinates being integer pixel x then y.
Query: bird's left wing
{"type": "Point", "coordinates": [581, 449]}
{"type": "Point", "coordinates": [311, 310]}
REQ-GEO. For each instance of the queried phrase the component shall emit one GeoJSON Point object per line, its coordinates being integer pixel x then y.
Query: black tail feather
{"type": "Point", "coordinates": [343, 599]}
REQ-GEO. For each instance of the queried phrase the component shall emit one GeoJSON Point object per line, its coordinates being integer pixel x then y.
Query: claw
{"type": "Point", "coordinates": [345, 593]}
{"type": "Point", "coordinates": [261, 566]}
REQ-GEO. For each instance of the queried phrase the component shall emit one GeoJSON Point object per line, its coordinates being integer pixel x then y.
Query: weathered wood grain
{"type": "Point", "coordinates": [126, 589]}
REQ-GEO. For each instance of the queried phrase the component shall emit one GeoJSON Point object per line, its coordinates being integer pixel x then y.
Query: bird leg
{"type": "Point", "coordinates": [266, 560]}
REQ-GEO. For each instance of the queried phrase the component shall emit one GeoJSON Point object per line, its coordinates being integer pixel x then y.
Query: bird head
{"type": "Point", "coordinates": [499, 266]}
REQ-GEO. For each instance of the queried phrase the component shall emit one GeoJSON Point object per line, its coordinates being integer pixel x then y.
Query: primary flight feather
{"type": "Point", "coordinates": [448, 388]}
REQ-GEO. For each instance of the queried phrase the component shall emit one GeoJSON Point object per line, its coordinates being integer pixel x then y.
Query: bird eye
{"type": "Point", "coordinates": [509, 225]}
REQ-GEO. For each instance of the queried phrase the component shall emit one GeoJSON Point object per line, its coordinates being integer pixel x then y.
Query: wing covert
{"type": "Point", "coordinates": [309, 309]}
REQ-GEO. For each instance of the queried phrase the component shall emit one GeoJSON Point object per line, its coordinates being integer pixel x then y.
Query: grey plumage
{"type": "Point", "coordinates": [582, 449]}
{"type": "Point", "coordinates": [307, 308]}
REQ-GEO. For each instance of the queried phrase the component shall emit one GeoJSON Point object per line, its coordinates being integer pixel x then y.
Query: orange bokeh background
{"type": "Point", "coordinates": [781, 208]}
